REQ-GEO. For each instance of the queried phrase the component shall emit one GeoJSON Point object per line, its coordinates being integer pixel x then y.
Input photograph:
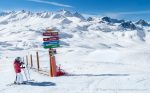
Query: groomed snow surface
{"type": "Point", "coordinates": [98, 57]}
{"type": "Point", "coordinates": [91, 71]}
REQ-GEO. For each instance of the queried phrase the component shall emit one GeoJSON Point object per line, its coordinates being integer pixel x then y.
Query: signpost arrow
{"type": "Point", "coordinates": [51, 42]}
{"type": "Point", "coordinates": [51, 39]}
{"type": "Point", "coordinates": [52, 46]}
{"type": "Point", "coordinates": [50, 34]}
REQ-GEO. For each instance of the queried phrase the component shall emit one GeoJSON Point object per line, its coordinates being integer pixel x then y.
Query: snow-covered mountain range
{"type": "Point", "coordinates": [23, 29]}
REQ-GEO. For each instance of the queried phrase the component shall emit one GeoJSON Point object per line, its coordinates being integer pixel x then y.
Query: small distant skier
{"type": "Point", "coordinates": [18, 65]}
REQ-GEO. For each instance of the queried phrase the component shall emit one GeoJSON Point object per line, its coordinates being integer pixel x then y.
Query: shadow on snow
{"type": "Point", "coordinates": [89, 75]}
{"type": "Point", "coordinates": [41, 84]}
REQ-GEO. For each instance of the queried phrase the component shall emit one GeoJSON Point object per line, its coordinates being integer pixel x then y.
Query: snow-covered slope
{"type": "Point", "coordinates": [30, 26]}
{"type": "Point", "coordinates": [103, 55]}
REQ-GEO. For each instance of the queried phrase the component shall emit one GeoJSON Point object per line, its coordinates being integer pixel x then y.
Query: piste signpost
{"type": "Point", "coordinates": [50, 41]}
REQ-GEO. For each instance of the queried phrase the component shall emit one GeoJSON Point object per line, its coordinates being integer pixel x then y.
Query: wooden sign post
{"type": "Point", "coordinates": [50, 43]}
{"type": "Point", "coordinates": [38, 63]}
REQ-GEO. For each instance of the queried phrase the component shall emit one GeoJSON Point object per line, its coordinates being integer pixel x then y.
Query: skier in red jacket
{"type": "Point", "coordinates": [17, 68]}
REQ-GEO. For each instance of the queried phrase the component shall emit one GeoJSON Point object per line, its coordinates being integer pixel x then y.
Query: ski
{"type": "Point", "coordinates": [24, 83]}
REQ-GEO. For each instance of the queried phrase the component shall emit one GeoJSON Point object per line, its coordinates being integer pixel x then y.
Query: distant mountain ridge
{"type": "Point", "coordinates": [7, 17]}
{"type": "Point", "coordinates": [25, 29]}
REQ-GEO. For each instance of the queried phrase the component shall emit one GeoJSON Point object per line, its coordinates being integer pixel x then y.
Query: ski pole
{"type": "Point", "coordinates": [28, 72]}
{"type": "Point", "coordinates": [26, 66]}
{"type": "Point", "coordinates": [25, 74]}
{"type": "Point", "coordinates": [24, 70]}
{"type": "Point", "coordinates": [15, 79]}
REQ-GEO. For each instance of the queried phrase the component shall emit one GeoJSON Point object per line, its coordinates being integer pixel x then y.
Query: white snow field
{"type": "Point", "coordinates": [99, 57]}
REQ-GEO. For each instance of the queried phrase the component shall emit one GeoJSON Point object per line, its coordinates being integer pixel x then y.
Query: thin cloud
{"type": "Point", "coordinates": [117, 14]}
{"type": "Point", "coordinates": [134, 12]}
{"type": "Point", "coordinates": [91, 15]}
{"type": "Point", "coordinates": [51, 3]}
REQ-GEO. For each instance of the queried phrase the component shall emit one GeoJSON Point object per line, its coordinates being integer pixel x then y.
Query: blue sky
{"type": "Point", "coordinates": [123, 9]}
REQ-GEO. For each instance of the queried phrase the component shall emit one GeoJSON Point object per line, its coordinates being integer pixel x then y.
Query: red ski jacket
{"type": "Point", "coordinates": [17, 66]}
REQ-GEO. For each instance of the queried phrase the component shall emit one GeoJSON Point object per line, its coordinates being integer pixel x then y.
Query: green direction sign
{"type": "Point", "coordinates": [52, 46]}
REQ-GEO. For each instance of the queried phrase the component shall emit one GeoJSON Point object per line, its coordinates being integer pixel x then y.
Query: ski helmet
{"type": "Point", "coordinates": [18, 58]}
